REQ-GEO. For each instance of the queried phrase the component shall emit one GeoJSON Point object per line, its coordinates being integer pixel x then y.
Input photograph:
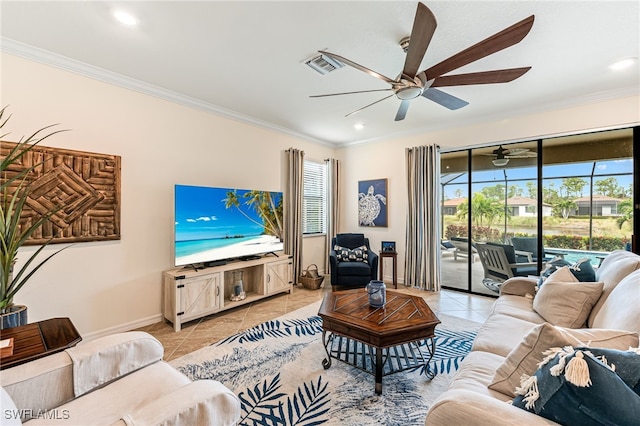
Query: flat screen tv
{"type": "Point", "coordinates": [217, 224]}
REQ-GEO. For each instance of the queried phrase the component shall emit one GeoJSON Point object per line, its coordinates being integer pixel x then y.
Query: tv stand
{"type": "Point", "coordinates": [192, 294]}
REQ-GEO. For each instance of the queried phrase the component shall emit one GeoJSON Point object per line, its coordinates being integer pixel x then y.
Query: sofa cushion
{"type": "Point", "coordinates": [98, 362]}
{"type": "Point", "coordinates": [358, 254]}
{"type": "Point", "coordinates": [614, 268]}
{"type": "Point", "coordinates": [552, 266]}
{"type": "Point", "coordinates": [566, 304]}
{"type": "Point", "coordinates": [524, 358]}
{"type": "Point", "coordinates": [476, 373]}
{"type": "Point", "coordinates": [517, 307]}
{"type": "Point", "coordinates": [500, 334]}
{"type": "Point", "coordinates": [620, 309]}
{"type": "Point", "coordinates": [576, 387]}
{"type": "Point", "coordinates": [360, 269]}
{"type": "Point", "coordinates": [108, 404]}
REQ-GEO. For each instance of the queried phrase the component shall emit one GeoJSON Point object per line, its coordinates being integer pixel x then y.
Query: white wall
{"type": "Point", "coordinates": [115, 285]}
{"type": "Point", "coordinates": [386, 159]}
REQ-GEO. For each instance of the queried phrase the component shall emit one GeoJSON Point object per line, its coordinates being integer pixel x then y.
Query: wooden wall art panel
{"type": "Point", "coordinates": [86, 185]}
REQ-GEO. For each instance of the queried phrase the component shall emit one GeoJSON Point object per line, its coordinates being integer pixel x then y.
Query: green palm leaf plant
{"type": "Point", "coordinates": [13, 234]}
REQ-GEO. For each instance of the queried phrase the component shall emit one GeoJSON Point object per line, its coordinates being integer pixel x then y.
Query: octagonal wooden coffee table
{"type": "Point", "coordinates": [380, 341]}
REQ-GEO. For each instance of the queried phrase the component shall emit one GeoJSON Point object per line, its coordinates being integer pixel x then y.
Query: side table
{"type": "Point", "coordinates": [39, 339]}
{"type": "Point", "coordinates": [394, 257]}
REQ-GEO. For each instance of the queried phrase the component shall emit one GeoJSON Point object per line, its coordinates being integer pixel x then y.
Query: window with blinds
{"type": "Point", "coordinates": [314, 202]}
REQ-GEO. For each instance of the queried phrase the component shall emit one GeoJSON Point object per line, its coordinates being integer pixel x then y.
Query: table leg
{"type": "Point", "coordinates": [378, 370]}
{"type": "Point", "coordinates": [430, 343]}
{"type": "Point", "coordinates": [326, 339]}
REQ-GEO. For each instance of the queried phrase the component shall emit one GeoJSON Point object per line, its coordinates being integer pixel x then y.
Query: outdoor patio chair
{"type": "Point", "coordinates": [524, 245]}
{"type": "Point", "coordinates": [462, 248]}
{"type": "Point", "coordinates": [499, 264]}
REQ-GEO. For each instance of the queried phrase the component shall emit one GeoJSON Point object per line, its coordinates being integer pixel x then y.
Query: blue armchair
{"type": "Point", "coordinates": [352, 262]}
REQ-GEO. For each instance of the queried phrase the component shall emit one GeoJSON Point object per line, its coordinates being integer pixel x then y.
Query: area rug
{"type": "Point", "coordinates": [276, 371]}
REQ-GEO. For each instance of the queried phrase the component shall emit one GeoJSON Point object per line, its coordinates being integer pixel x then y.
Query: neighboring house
{"type": "Point", "coordinates": [527, 207]}
{"type": "Point", "coordinates": [450, 207]}
{"type": "Point", "coordinates": [602, 205]}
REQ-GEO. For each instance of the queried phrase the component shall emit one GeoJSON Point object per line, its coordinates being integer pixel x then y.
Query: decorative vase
{"type": "Point", "coordinates": [238, 292]}
{"type": "Point", "coordinates": [377, 291]}
{"type": "Point", "coordinates": [15, 316]}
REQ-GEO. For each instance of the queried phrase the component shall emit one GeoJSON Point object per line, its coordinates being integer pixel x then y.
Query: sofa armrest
{"type": "Point", "coordinates": [203, 402]}
{"type": "Point", "coordinates": [101, 361]}
{"type": "Point", "coordinates": [519, 286]}
{"type": "Point", "coordinates": [465, 407]}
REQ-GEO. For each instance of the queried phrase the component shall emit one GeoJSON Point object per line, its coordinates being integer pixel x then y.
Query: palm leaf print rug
{"type": "Point", "coordinates": [276, 371]}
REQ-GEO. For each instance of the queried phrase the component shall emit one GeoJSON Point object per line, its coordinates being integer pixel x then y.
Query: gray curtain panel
{"type": "Point", "coordinates": [333, 206]}
{"type": "Point", "coordinates": [422, 259]}
{"type": "Point", "coordinates": [292, 215]}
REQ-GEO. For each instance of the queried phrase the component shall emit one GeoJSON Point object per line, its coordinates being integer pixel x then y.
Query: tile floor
{"type": "Point", "coordinates": [200, 333]}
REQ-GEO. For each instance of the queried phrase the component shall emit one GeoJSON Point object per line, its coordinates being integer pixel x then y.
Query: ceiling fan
{"type": "Point", "coordinates": [503, 155]}
{"type": "Point", "coordinates": [411, 84]}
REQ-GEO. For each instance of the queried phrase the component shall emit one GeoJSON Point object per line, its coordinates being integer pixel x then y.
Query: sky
{"type": "Point", "coordinates": [496, 176]}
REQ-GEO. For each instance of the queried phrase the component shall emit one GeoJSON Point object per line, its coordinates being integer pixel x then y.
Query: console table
{"type": "Point", "coordinates": [394, 256]}
{"type": "Point", "coordinates": [39, 339]}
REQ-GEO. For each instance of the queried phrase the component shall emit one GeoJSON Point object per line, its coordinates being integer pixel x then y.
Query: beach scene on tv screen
{"type": "Point", "coordinates": [222, 223]}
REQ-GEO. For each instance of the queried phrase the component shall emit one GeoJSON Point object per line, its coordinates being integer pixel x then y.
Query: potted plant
{"type": "Point", "coordinates": [13, 234]}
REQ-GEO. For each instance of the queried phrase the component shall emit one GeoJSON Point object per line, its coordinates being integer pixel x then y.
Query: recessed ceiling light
{"type": "Point", "coordinates": [359, 126]}
{"type": "Point", "coordinates": [623, 64]}
{"type": "Point", "coordinates": [125, 18]}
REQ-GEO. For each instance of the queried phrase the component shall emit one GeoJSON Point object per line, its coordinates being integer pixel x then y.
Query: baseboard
{"type": "Point", "coordinates": [121, 328]}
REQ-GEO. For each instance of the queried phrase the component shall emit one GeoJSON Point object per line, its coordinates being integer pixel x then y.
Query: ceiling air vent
{"type": "Point", "coordinates": [324, 64]}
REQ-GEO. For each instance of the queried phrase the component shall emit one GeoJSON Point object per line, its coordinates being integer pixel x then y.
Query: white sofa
{"type": "Point", "coordinates": [470, 401]}
{"type": "Point", "coordinates": [115, 380]}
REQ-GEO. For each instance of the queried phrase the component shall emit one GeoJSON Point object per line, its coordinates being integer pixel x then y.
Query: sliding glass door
{"type": "Point", "coordinates": [568, 196]}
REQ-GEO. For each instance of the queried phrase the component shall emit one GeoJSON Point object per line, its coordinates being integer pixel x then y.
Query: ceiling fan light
{"type": "Point", "coordinates": [500, 162]}
{"type": "Point", "coordinates": [409, 93]}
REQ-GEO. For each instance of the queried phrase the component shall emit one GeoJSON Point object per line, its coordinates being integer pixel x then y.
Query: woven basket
{"type": "Point", "coordinates": [310, 278]}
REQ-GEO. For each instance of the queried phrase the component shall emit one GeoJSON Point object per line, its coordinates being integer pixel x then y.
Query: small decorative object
{"type": "Point", "coordinates": [377, 293]}
{"type": "Point", "coordinates": [6, 347]}
{"type": "Point", "coordinates": [389, 246]}
{"type": "Point", "coordinates": [310, 278]}
{"type": "Point", "coordinates": [238, 287]}
{"type": "Point", "coordinates": [372, 202]}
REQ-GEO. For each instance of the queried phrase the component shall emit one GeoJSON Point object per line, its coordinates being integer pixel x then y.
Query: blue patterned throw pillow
{"type": "Point", "coordinates": [584, 386]}
{"type": "Point", "coordinates": [582, 269]}
{"type": "Point", "coordinates": [358, 254]}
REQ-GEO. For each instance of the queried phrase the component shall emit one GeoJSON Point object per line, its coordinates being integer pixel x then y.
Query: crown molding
{"type": "Point", "coordinates": [46, 57]}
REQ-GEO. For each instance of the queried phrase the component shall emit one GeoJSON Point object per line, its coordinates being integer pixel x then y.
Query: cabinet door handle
{"type": "Point", "coordinates": [217, 290]}
{"type": "Point", "coordinates": [268, 278]}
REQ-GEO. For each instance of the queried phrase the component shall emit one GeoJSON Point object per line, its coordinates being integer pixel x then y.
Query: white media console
{"type": "Point", "coordinates": [189, 294]}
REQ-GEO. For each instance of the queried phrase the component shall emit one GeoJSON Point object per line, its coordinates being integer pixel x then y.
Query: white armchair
{"type": "Point", "coordinates": [115, 380]}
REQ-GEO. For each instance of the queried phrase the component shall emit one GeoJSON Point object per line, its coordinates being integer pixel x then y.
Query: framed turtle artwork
{"type": "Point", "coordinates": [372, 202]}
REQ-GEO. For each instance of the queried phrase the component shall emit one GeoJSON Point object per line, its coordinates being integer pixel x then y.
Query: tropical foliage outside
{"type": "Point", "coordinates": [492, 220]}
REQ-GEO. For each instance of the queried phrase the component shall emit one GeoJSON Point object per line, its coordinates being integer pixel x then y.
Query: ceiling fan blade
{"type": "Point", "coordinates": [402, 110]}
{"type": "Point", "coordinates": [424, 25]}
{"type": "Point", "coordinates": [358, 66]}
{"type": "Point", "coordinates": [367, 106]}
{"type": "Point", "coordinates": [505, 38]}
{"type": "Point", "coordinates": [444, 99]}
{"type": "Point", "coordinates": [350, 93]}
{"type": "Point", "coordinates": [485, 77]}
